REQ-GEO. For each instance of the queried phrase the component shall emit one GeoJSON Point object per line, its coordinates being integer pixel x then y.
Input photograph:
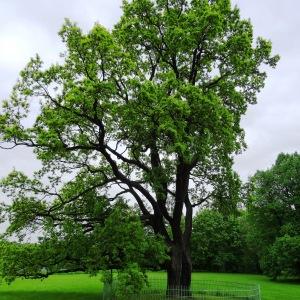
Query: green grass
{"type": "Point", "coordinates": [83, 287]}
{"type": "Point", "coordinates": [56, 287]}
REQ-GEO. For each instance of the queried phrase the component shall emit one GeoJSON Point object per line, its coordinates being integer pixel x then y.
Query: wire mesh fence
{"type": "Point", "coordinates": [199, 290]}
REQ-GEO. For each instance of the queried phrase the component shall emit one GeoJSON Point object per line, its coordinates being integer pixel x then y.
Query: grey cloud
{"type": "Point", "coordinates": [272, 125]}
{"type": "Point", "coordinates": [49, 14]}
{"type": "Point", "coordinates": [21, 159]}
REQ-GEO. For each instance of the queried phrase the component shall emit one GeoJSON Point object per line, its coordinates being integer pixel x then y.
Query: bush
{"type": "Point", "coordinates": [130, 281]}
{"type": "Point", "coordinates": [283, 258]}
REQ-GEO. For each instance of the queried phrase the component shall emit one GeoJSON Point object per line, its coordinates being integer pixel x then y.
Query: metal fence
{"type": "Point", "coordinates": [199, 290]}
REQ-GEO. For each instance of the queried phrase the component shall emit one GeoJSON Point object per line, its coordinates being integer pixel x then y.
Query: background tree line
{"type": "Point", "coordinates": [264, 236]}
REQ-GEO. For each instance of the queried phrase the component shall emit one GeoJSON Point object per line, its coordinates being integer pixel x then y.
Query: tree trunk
{"type": "Point", "coordinates": [186, 271]}
{"type": "Point", "coordinates": [180, 266]}
{"type": "Point", "coordinates": [179, 271]}
{"type": "Point", "coordinates": [174, 267]}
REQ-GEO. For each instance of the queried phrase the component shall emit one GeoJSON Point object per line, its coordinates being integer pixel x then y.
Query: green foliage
{"type": "Point", "coordinates": [274, 212]}
{"type": "Point", "coordinates": [116, 244]}
{"type": "Point", "coordinates": [23, 260]}
{"type": "Point", "coordinates": [172, 79]}
{"type": "Point", "coordinates": [217, 242]}
{"type": "Point", "coordinates": [139, 112]}
{"type": "Point", "coordinates": [130, 280]}
{"type": "Point", "coordinates": [283, 258]}
{"type": "Point", "coordinates": [123, 241]}
{"type": "Point", "coordinates": [250, 258]}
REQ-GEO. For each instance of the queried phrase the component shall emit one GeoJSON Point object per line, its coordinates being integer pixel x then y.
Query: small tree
{"type": "Point", "coordinates": [151, 110]}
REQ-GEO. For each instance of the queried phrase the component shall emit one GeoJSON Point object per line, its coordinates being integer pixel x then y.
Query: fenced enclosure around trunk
{"type": "Point", "coordinates": [199, 290]}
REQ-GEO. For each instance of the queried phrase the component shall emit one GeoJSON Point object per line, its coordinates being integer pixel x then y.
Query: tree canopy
{"type": "Point", "coordinates": [150, 110]}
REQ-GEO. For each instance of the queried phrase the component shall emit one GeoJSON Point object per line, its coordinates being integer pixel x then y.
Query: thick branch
{"type": "Point", "coordinates": [128, 160]}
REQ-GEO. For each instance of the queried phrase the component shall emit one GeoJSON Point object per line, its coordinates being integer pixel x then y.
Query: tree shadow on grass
{"type": "Point", "coordinates": [288, 280]}
{"type": "Point", "coordinates": [23, 295]}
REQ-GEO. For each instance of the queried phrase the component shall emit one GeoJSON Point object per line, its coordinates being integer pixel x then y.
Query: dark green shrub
{"type": "Point", "coordinates": [283, 258]}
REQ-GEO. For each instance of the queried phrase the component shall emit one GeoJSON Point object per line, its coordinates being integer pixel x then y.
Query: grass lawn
{"type": "Point", "coordinates": [83, 287]}
{"type": "Point", "coordinates": [56, 287]}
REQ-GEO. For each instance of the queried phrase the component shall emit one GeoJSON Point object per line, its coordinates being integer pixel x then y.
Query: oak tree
{"type": "Point", "coordinates": [150, 110]}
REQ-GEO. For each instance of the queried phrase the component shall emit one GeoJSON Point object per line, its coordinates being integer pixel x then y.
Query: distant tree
{"type": "Point", "coordinates": [274, 209]}
{"type": "Point", "coordinates": [150, 110]}
{"type": "Point", "coordinates": [217, 242]}
{"type": "Point", "coordinates": [250, 259]}
{"type": "Point", "coordinates": [283, 258]}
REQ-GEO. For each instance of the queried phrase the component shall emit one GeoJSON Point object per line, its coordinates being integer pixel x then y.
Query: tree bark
{"type": "Point", "coordinates": [179, 271]}
{"type": "Point", "coordinates": [186, 270]}
{"type": "Point", "coordinates": [186, 273]}
{"type": "Point", "coordinates": [174, 267]}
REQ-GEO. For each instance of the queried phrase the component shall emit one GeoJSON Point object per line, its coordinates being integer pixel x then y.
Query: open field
{"type": "Point", "coordinates": [83, 287]}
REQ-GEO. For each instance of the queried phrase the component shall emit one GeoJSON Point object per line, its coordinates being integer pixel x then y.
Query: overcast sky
{"type": "Point", "coordinates": [272, 126]}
